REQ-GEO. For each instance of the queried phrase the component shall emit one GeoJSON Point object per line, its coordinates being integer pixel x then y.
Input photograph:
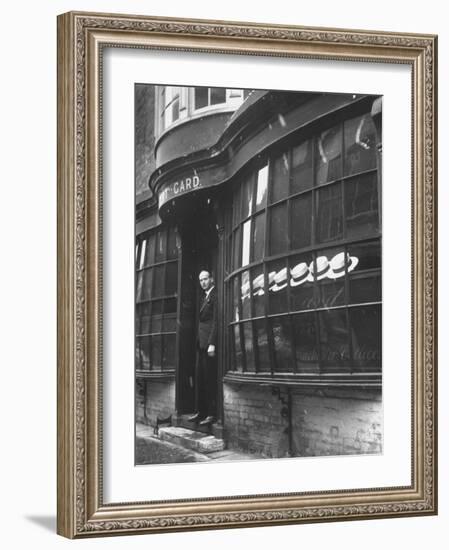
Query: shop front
{"type": "Point", "coordinates": [282, 206]}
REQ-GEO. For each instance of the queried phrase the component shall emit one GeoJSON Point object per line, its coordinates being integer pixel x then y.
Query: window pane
{"type": "Point", "coordinates": [169, 323]}
{"type": "Point", "coordinates": [302, 293]}
{"type": "Point", "coordinates": [171, 278]}
{"type": "Point", "coordinates": [262, 187]}
{"type": "Point", "coordinates": [156, 351]}
{"type": "Point", "coordinates": [282, 342]}
{"type": "Point", "coordinates": [329, 213]}
{"type": "Point", "coordinates": [175, 109]}
{"type": "Point", "coordinates": [277, 286]}
{"type": "Point", "coordinates": [330, 283]}
{"type": "Point", "coordinates": [305, 334]}
{"type": "Point", "coordinates": [150, 249]}
{"type": "Point", "coordinates": [144, 315]}
{"type": "Point", "coordinates": [236, 248]}
{"type": "Point", "coordinates": [147, 284]}
{"type": "Point", "coordinates": [328, 155]}
{"type": "Point", "coordinates": [217, 95]}
{"type": "Point", "coordinates": [249, 347]}
{"type": "Point", "coordinates": [168, 351]}
{"type": "Point", "coordinates": [261, 339]}
{"type": "Point", "coordinates": [279, 183]}
{"type": "Point", "coordinates": [361, 204]}
{"type": "Point", "coordinates": [170, 305]}
{"type": "Point", "coordinates": [143, 247]}
{"type": "Point", "coordinates": [302, 169]}
{"type": "Point", "coordinates": [246, 242]}
{"type": "Point", "coordinates": [236, 298]}
{"type": "Point", "coordinates": [144, 345]}
{"type": "Point", "coordinates": [158, 281]}
{"type": "Point", "coordinates": [172, 250]}
{"type": "Point", "coordinates": [360, 145]}
{"type": "Point", "coordinates": [201, 97]}
{"type": "Point", "coordinates": [301, 221]}
{"type": "Point", "coordinates": [247, 197]}
{"type": "Point", "coordinates": [258, 291]}
{"type": "Point", "coordinates": [278, 229]}
{"type": "Point", "coordinates": [364, 268]}
{"type": "Point", "coordinates": [161, 244]}
{"type": "Point", "coordinates": [139, 286]}
{"type": "Point", "coordinates": [334, 340]}
{"type": "Point", "coordinates": [245, 295]}
{"type": "Point", "coordinates": [238, 349]}
{"type": "Point", "coordinates": [156, 317]}
{"type": "Point", "coordinates": [236, 206]}
{"type": "Point", "coordinates": [366, 330]}
{"type": "Point", "coordinates": [259, 237]}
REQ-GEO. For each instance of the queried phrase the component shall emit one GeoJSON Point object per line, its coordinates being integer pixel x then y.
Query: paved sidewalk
{"type": "Point", "coordinates": [151, 450]}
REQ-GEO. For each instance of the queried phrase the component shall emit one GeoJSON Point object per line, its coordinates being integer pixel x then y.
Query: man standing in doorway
{"type": "Point", "coordinates": [207, 357]}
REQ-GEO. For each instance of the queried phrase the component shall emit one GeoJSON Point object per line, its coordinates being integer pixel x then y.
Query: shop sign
{"type": "Point", "coordinates": [171, 190]}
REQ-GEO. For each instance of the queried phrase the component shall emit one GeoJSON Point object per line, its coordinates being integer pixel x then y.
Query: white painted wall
{"type": "Point", "coordinates": [28, 275]}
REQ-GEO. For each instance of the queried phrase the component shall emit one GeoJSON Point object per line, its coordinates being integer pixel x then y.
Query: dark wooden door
{"type": "Point", "coordinates": [198, 252]}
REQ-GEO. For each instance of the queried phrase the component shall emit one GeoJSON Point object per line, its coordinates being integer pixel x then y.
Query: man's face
{"type": "Point", "coordinates": [205, 280]}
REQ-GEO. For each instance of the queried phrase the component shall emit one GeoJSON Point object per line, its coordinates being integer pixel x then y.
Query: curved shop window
{"type": "Point", "coordinates": [156, 300]}
{"type": "Point", "coordinates": [305, 258]}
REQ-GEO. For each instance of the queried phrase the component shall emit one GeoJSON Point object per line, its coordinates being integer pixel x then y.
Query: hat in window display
{"type": "Point", "coordinates": [319, 269]}
{"type": "Point", "coordinates": [280, 280]}
{"type": "Point", "coordinates": [341, 263]}
{"type": "Point", "coordinates": [299, 274]}
{"type": "Point", "coordinates": [258, 284]}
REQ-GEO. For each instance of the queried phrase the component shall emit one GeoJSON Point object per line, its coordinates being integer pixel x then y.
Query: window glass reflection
{"type": "Point", "coordinates": [305, 334]}
{"type": "Point", "coordinates": [280, 178]}
{"type": "Point", "coordinates": [302, 293]}
{"type": "Point", "coordinates": [245, 293]}
{"type": "Point", "coordinates": [301, 221]}
{"type": "Point", "coordinates": [361, 206]}
{"type": "Point", "coordinates": [282, 340]}
{"type": "Point", "coordinates": [302, 168]}
{"type": "Point", "coordinates": [262, 188]}
{"type": "Point", "coordinates": [366, 331]}
{"type": "Point", "coordinates": [334, 340]}
{"type": "Point", "coordinates": [246, 242]}
{"type": "Point", "coordinates": [249, 347]}
{"type": "Point", "coordinates": [278, 280]}
{"type": "Point", "coordinates": [237, 348]}
{"type": "Point", "coordinates": [278, 229]}
{"type": "Point", "coordinates": [329, 213]}
{"type": "Point", "coordinates": [328, 155]}
{"type": "Point", "coordinates": [360, 145]}
{"type": "Point", "coordinates": [261, 340]}
{"type": "Point", "coordinates": [258, 291]}
{"type": "Point", "coordinates": [259, 237]}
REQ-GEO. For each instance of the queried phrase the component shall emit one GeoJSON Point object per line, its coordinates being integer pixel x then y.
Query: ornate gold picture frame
{"type": "Point", "coordinates": [83, 511]}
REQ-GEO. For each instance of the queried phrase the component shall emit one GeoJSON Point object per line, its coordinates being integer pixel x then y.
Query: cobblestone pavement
{"type": "Point", "coordinates": [151, 450]}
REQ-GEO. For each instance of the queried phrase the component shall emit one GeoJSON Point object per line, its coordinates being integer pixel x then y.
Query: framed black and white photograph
{"type": "Point", "coordinates": [258, 274]}
{"type": "Point", "coordinates": [246, 274]}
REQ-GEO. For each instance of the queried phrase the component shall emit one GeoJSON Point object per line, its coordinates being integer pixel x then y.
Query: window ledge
{"type": "Point", "coordinates": [301, 380]}
{"type": "Point", "coordinates": [155, 375]}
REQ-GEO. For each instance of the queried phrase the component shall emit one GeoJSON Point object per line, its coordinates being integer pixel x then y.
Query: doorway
{"type": "Point", "coordinates": [199, 251]}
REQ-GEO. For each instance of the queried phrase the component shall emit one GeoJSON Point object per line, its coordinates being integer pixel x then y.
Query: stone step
{"type": "Point", "coordinates": [210, 429]}
{"type": "Point", "coordinates": [190, 439]}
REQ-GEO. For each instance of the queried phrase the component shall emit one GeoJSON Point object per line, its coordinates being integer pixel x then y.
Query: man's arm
{"type": "Point", "coordinates": [213, 328]}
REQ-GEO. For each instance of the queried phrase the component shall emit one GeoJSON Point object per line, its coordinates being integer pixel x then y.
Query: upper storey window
{"type": "Point", "coordinates": [181, 103]}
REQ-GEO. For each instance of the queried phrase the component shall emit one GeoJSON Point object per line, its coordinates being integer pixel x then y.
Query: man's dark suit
{"type": "Point", "coordinates": [207, 366]}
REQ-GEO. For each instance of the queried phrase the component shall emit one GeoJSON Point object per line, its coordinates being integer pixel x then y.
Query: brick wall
{"type": "Point", "coordinates": [154, 398]}
{"type": "Point", "coordinates": [323, 423]}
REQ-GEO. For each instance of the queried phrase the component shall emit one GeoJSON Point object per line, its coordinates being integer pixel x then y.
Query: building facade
{"type": "Point", "coordinates": [278, 195]}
